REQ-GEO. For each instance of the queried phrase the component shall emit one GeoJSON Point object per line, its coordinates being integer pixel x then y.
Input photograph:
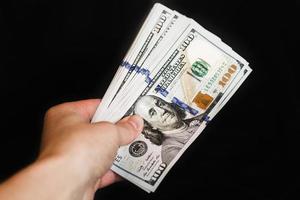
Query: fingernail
{"type": "Point", "coordinates": [137, 122]}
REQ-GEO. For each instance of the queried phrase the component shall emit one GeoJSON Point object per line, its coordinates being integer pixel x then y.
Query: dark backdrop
{"type": "Point", "coordinates": [69, 50]}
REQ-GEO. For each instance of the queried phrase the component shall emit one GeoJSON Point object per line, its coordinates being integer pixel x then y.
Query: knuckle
{"type": "Point", "coordinates": [107, 125]}
{"type": "Point", "coordinates": [110, 128]}
{"type": "Point", "coordinates": [53, 111]}
{"type": "Point", "coordinates": [50, 112]}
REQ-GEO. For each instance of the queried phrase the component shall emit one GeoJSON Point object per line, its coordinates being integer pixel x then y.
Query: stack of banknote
{"type": "Point", "coordinates": [177, 76]}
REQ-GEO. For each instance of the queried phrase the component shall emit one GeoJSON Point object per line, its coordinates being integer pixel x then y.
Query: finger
{"type": "Point", "coordinates": [121, 133]}
{"type": "Point", "coordinates": [129, 128]}
{"type": "Point", "coordinates": [79, 111]}
{"type": "Point", "coordinates": [109, 178]}
{"type": "Point", "coordinates": [85, 108]}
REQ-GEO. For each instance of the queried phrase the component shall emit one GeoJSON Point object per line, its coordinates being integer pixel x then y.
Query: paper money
{"type": "Point", "coordinates": [176, 76]}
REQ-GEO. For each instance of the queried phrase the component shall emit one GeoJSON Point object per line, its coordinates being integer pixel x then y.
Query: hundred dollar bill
{"type": "Point", "coordinates": [176, 76]}
{"type": "Point", "coordinates": [167, 43]}
{"type": "Point", "coordinates": [159, 17]}
{"type": "Point", "coordinates": [114, 83]}
{"type": "Point", "coordinates": [174, 107]}
{"type": "Point", "coordinates": [173, 30]}
{"type": "Point", "coordinates": [178, 21]}
{"type": "Point", "coordinates": [191, 74]}
{"type": "Point", "coordinates": [146, 70]}
{"type": "Point", "coordinates": [149, 25]}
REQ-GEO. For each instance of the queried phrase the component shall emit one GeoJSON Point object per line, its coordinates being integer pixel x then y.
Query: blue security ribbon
{"type": "Point", "coordinates": [184, 106]}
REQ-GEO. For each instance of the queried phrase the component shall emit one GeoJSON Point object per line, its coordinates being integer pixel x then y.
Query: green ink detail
{"type": "Point", "coordinates": [200, 68]}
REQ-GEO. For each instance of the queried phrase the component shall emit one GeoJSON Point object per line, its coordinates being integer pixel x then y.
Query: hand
{"type": "Point", "coordinates": [77, 154]}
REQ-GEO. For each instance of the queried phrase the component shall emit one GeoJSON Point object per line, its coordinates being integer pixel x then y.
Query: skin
{"type": "Point", "coordinates": [75, 156]}
{"type": "Point", "coordinates": [158, 113]}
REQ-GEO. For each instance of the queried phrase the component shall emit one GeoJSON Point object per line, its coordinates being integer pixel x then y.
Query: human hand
{"type": "Point", "coordinates": [86, 150]}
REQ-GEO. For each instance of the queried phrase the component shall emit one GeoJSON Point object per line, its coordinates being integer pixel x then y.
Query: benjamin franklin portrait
{"type": "Point", "coordinates": [166, 125]}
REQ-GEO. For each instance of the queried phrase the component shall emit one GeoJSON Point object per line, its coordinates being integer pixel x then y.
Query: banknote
{"type": "Point", "coordinates": [141, 84]}
{"type": "Point", "coordinates": [177, 76]}
{"type": "Point", "coordinates": [173, 30]}
{"type": "Point", "coordinates": [152, 26]}
{"type": "Point", "coordinates": [158, 18]}
{"type": "Point", "coordinates": [174, 105]}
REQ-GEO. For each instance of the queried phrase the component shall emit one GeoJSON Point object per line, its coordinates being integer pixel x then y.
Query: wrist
{"type": "Point", "coordinates": [65, 175]}
{"type": "Point", "coordinates": [48, 178]}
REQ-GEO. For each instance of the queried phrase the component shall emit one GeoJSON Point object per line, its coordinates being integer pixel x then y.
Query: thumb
{"type": "Point", "coordinates": [129, 128]}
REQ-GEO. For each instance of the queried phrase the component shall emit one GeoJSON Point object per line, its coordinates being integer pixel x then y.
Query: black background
{"type": "Point", "coordinates": [54, 52]}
